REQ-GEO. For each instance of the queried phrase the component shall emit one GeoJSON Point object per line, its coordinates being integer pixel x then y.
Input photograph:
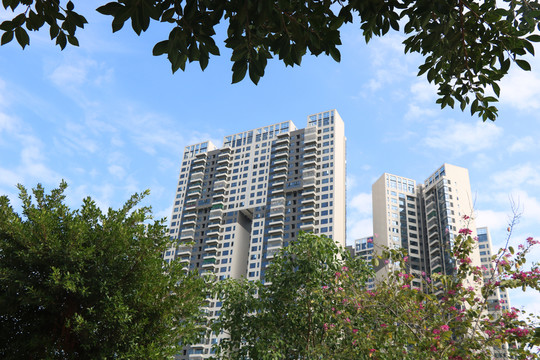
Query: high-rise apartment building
{"type": "Point", "coordinates": [424, 219]}
{"type": "Point", "coordinates": [498, 300]}
{"type": "Point", "coordinates": [363, 248]}
{"type": "Point", "coordinates": [237, 205]}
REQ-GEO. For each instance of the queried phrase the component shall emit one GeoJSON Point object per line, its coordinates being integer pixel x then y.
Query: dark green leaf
{"type": "Point", "coordinates": [6, 37]}
{"type": "Point", "coordinates": [22, 37]}
{"type": "Point", "coordinates": [160, 48]}
{"type": "Point", "coordinates": [239, 70]}
{"type": "Point", "coordinates": [523, 64]}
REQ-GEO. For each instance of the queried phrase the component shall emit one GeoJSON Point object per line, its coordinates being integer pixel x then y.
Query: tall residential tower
{"type": "Point", "coordinates": [237, 205]}
{"type": "Point", "coordinates": [424, 219]}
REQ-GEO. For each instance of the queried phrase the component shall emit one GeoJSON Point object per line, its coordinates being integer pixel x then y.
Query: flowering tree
{"type": "Point", "coordinates": [285, 317]}
{"type": "Point", "coordinates": [449, 319]}
{"type": "Point", "coordinates": [319, 307]}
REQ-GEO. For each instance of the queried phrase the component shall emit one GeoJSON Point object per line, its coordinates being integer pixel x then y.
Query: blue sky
{"type": "Point", "coordinates": [111, 120]}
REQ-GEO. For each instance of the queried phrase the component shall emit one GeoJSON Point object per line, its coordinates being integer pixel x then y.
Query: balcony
{"type": "Point", "coordinates": [308, 201]}
{"type": "Point", "coordinates": [190, 215]}
{"type": "Point", "coordinates": [224, 159]}
{"type": "Point", "coordinates": [213, 232]}
{"type": "Point", "coordinates": [310, 138]}
{"type": "Point", "coordinates": [306, 208]}
{"type": "Point", "coordinates": [308, 191]}
{"type": "Point", "coordinates": [212, 241]}
{"type": "Point", "coordinates": [195, 186]}
{"type": "Point", "coordinates": [211, 249]}
{"type": "Point", "coordinates": [284, 146]}
{"type": "Point", "coordinates": [194, 193]}
{"type": "Point", "coordinates": [307, 226]}
{"type": "Point", "coordinates": [198, 167]}
{"type": "Point", "coordinates": [277, 183]}
{"type": "Point", "coordinates": [281, 154]}
{"type": "Point", "coordinates": [309, 216]}
{"type": "Point", "coordinates": [275, 230]}
{"type": "Point", "coordinates": [276, 222]}
{"type": "Point", "coordinates": [187, 235]}
{"type": "Point", "coordinates": [209, 256]}
{"type": "Point", "coordinates": [218, 198]}
{"type": "Point", "coordinates": [215, 213]}
{"type": "Point", "coordinates": [271, 253]}
{"type": "Point", "coordinates": [310, 154]}
{"type": "Point", "coordinates": [277, 203]}
{"type": "Point", "coordinates": [196, 177]}
{"type": "Point", "coordinates": [275, 246]}
{"type": "Point", "coordinates": [280, 165]}
{"type": "Point", "coordinates": [222, 175]}
{"type": "Point", "coordinates": [312, 146]}
{"type": "Point", "coordinates": [189, 222]}
{"type": "Point", "coordinates": [222, 168]}
{"type": "Point", "coordinates": [190, 204]}
{"type": "Point", "coordinates": [183, 251]}
{"type": "Point", "coordinates": [220, 185]}
{"type": "Point", "coordinates": [281, 175]}
{"type": "Point", "coordinates": [310, 161]}
{"type": "Point", "coordinates": [215, 224]}
{"type": "Point", "coordinates": [282, 139]}
{"type": "Point", "coordinates": [209, 263]}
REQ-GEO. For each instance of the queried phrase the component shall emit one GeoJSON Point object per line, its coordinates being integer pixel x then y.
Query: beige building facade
{"type": "Point", "coordinates": [236, 206]}
{"type": "Point", "coordinates": [423, 218]}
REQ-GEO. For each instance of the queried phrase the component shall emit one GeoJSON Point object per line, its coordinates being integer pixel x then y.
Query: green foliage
{"type": "Point", "coordinates": [284, 317]}
{"type": "Point", "coordinates": [315, 305]}
{"type": "Point", "coordinates": [468, 45]}
{"type": "Point", "coordinates": [86, 285]}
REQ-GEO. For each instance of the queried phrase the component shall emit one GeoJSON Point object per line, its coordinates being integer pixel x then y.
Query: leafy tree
{"type": "Point", "coordinates": [87, 285]}
{"type": "Point", "coordinates": [317, 307]}
{"type": "Point", "coordinates": [451, 318]}
{"type": "Point", "coordinates": [468, 45]}
{"type": "Point", "coordinates": [285, 317]}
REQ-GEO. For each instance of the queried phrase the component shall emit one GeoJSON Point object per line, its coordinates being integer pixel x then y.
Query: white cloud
{"type": "Point", "coordinates": [361, 204]}
{"type": "Point", "coordinates": [526, 143]}
{"type": "Point", "coordinates": [528, 300]}
{"type": "Point", "coordinates": [494, 220]}
{"type": "Point", "coordinates": [417, 112]}
{"type": "Point", "coordinates": [463, 137]}
{"type": "Point", "coordinates": [422, 91]}
{"type": "Point", "coordinates": [516, 176]}
{"type": "Point", "coordinates": [10, 178]}
{"type": "Point", "coordinates": [117, 171]}
{"type": "Point", "coordinates": [521, 89]}
{"type": "Point", "coordinates": [358, 228]}
{"type": "Point", "coordinates": [351, 182]}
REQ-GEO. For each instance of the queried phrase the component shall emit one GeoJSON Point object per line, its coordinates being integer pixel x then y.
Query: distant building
{"type": "Point", "coordinates": [424, 219]}
{"type": "Point", "coordinates": [237, 205]}
{"type": "Point", "coordinates": [363, 248]}
{"type": "Point", "coordinates": [498, 301]}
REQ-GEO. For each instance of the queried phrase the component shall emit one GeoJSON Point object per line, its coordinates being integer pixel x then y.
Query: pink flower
{"type": "Point", "coordinates": [383, 325]}
{"type": "Point", "coordinates": [465, 231]}
{"type": "Point", "coordinates": [354, 331]}
{"type": "Point", "coordinates": [436, 331]}
{"type": "Point", "coordinates": [344, 268]}
{"type": "Point", "coordinates": [445, 328]}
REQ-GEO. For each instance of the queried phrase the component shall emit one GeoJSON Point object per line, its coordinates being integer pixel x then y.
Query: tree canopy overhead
{"type": "Point", "coordinates": [468, 45]}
